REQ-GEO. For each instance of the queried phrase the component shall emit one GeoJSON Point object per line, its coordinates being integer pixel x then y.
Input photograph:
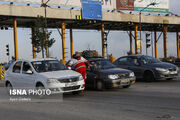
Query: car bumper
{"type": "Point", "coordinates": [66, 87]}
{"type": "Point", "coordinates": [120, 82]}
{"type": "Point", "coordinates": [162, 75]}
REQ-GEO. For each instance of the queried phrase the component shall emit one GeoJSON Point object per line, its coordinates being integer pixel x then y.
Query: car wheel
{"type": "Point", "coordinates": [148, 76]}
{"type": "Point", "coordinates": [100, 85]}
{"type": "Point", "coordinates": [76, 92]}
{"type": "Point", "coordinates": [9, 87]}
{"type": "Point", "coordinates": [126, 86]}
{"type": "Point", "coordinates": [40, 87]}
{"type": "Point", "coordinates": [169, 79]}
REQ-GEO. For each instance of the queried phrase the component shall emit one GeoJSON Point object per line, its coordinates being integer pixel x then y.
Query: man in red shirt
{"type": "Point", "coordinates": [80, 64]}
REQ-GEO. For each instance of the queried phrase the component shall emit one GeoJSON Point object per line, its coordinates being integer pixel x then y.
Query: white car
{"type": "Point", "coordinates": [47, 73]}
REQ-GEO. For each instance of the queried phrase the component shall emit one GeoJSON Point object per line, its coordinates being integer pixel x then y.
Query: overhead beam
{"type": "Point", "coordinates": [65, 14]}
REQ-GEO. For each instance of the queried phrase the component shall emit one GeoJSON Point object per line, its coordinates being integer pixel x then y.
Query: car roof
{"type": "Point", "coordinates": [96, 58]}
{"type": "Point", "coordinates": [37, 59]}
{"type": "Point", "coordinates": [133, 56]}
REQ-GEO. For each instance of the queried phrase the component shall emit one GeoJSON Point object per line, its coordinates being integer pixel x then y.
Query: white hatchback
{"type": "Point", "coordinates": [47, 73]}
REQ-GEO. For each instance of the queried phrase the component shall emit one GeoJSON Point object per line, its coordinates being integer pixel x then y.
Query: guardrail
{"type": "Point", "coordinates": [2, 71]}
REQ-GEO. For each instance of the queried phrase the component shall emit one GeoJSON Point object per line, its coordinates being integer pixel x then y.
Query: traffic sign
{"type": "Point", "coordinates": [91, 9]}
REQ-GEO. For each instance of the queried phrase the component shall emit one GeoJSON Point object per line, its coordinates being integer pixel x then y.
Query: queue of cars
{"type": "Point", "coordinates": [102, 74]}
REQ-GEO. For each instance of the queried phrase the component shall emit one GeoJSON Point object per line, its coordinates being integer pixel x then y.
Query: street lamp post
{"type": "Point", "coordinates": [151, 4]}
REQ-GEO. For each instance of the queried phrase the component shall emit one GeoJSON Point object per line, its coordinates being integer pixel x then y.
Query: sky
{"type": "Point", "coordinates": [118, 41]}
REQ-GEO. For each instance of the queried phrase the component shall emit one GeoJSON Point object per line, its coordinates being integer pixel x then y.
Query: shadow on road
{"type": "Point", "coordinates": [162, 81]}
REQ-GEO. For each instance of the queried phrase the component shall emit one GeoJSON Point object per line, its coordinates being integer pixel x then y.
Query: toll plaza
{"type": "Point", "coordinates": [23, 16]}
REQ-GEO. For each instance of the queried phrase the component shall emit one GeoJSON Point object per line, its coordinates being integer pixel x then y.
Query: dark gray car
{"type": "Point", "coordinates": [147, 67]}
{"type": "Point", "coordinates": [103, 74]}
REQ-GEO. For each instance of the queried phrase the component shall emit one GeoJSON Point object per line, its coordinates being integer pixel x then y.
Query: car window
{"type": "Point", "coordinates": [122, 61]}
{"type": "Point", "coordinates": [9, 64]}
{"type": "Point", "coordinates": [48, 65]}
{"type": "Point", "coordinates": [132, 61]}
{"type": "Point", "coordinates": [17, 67]}
{"type": "Point", "coordinates": [102, 64]}
{"type": "Point", "coordinates": [26, 67]}
{"type": "Point", "coordinates": [149, 60]}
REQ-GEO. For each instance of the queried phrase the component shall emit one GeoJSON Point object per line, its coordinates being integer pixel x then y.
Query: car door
{"type": "Point", "coordinates": [91, 74]}
{"type": "Point", "coordinates": [90, 78]}
{"type": "Point", "coordinates": [27, 76]}
{"type": "Point", "coordinates": [134, 64]}
{"type": "Point", "coordinates": [15, 74]}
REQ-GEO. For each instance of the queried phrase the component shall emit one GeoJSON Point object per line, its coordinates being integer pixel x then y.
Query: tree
{"type": "Point", "coordinates": [41, 36]}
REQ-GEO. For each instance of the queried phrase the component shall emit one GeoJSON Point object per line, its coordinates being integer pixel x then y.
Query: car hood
{"type": "Point", "coordinates": [114, 71]}
{"type": "Point", "coordinates": [60, 74]}
{"type": "Point", "coordinates": [162, 65]}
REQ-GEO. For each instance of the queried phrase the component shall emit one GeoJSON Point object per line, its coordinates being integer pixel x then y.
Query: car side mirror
{"type": "Point", "coordinates": [29, 72]}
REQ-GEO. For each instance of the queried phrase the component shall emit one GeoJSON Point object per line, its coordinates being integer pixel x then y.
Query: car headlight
{"type": "Point", "coordinates": [81, 78]}
{"type": "Point", "coordinates": [162, 69]}
{"type": "Point", "coordinates": [177, 68]}
{"type": "Point", "coordinates": [131, 74]}
{"type": "Point", "coordinates": [113, 77]}
{"type": "Point", "coordinates": [52, 80]}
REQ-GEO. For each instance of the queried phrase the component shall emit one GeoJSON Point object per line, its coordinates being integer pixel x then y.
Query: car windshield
{"type": "Point", "coordinates": [149, 60]}
{"type": "Point", "coordinates": [48, 66]}
{"type": "Point", "coordinates": [102, 64]}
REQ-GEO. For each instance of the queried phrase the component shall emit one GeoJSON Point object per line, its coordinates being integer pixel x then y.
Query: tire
{"type": "Point", "coordinates": [126, 86]}
{"type": "Point", "coordinates": [76, 92]}
{"type": "Point", "coordinates": [148, 76]}
{"type": "Point", "coordinates": [38, 87]}
{"type": "Point", "coordinates": [9, 87]}
{"type": "Point", "coordinates": [100, 85]}
{"type": "Point", "coordinates": [169, 79]}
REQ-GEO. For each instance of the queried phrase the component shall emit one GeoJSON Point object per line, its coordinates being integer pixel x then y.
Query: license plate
{"type": "Point", "coordinates": [70, 84]}
{"type": "Point", "coordinates": [116, 84]}
{"type": "Point", "coordinates": [125, 81]}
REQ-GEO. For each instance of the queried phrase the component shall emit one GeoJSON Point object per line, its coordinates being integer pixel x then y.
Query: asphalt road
{"type": "Point", "coordinates": [144, 101]}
